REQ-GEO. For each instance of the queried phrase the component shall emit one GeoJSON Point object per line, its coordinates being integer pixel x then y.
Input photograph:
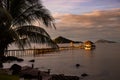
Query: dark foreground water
{"type": "Point", "coordinates": [103, 63]}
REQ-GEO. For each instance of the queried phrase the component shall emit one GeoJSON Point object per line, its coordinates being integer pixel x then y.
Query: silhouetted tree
{"type": "Point", "coordinates": [16, 23]}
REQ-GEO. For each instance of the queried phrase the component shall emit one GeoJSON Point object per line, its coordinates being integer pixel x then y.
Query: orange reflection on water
{"type": "Point", "coordinates": [89, 53]}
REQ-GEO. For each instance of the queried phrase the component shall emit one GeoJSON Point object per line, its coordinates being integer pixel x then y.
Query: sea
{"type": "Point", "coordinates": [102, 63]}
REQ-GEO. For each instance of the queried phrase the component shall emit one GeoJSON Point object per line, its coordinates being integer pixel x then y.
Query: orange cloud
{"type": "Point", "coordinates": [94, 25]}
{"type": "Point", "coordinates": [95, 19]}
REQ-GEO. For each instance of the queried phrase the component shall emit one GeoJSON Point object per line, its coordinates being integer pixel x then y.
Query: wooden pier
{"type": "Point", "coordinates": [68, 48]}
{"type": "Point", "coordinates": [28, 52]}
{"type": "Point", "coordinates": [34, 52]}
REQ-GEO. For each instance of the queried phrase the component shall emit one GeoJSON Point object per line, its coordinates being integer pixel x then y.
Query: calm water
{"type": "Point", "coordinates": [103, 63]}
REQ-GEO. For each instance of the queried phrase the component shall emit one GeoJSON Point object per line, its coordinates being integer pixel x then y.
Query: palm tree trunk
{"type": "Point", "coordinates": [1, 52]}
{"type": "Point", "coordinates": [1, 3]}
{"type": "Point", "coordinates": [3, 47]}
{"type": "Point", "coordinates": [2, 56]}
{"type": "Point", "coordinates": [8, 5]}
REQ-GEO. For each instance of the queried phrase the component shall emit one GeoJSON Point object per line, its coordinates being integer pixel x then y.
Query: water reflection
{"type": "Point", "coordinates": [89, 53]}
{"type": "Point", "coordinates": [101, 63]}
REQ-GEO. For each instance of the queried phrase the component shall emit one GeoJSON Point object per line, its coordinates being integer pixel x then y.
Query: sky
{"type": "Point", "coordinates": [82, 20]}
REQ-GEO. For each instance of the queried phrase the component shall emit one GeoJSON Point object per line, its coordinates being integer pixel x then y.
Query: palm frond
{"type": "Point", "coordinates": [15, 38]}
{"type": "Point", "coordinates": [27, 11]}
{"type": "Point", "coordinates": [25, 43]}
{"type": "Point", "coordinates": [35, 34]}
{"type": "Point", "coordinates": [22, 30]}
{"type": "Point", "coordinates": [39, 38]}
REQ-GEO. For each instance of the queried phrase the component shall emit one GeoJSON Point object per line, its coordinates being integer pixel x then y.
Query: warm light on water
{"type": "Point", "coordinates": [103, 63]}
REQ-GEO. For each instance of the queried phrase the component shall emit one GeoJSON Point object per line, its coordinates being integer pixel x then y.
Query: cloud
{"type": "Point", "coordinates": [64, 1]}
{"type": "Point", "coordinates": [94, 25]}
{"type": "Point", "coordinates": [62, 5]}
{"type": "Point", "coordinates": [94, 19]}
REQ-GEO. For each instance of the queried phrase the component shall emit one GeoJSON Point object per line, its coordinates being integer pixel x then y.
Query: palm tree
{"type": "Point", "coordinates": [16, 23]}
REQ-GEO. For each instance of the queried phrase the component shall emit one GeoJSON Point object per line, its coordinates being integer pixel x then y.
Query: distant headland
{"type": "Point", "coordinates": [104, 41]}
{"type": "Point", "coordinates": [61, 39]}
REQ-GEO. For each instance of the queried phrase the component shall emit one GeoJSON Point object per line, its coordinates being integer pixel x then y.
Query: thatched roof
{"type": "Point", "coordinates": [88, 42]}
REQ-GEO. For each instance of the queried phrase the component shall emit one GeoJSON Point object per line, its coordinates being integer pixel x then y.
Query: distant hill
{"type": "Point", "coordinates": [61, 39]}
{"type": "Point", "coordinates": [104, 41]}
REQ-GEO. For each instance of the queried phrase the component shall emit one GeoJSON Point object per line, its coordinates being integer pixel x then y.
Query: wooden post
{"type": "Point", "coordinates": [39, 76]}
{"type": "Point", "coordinates": [32, 65]}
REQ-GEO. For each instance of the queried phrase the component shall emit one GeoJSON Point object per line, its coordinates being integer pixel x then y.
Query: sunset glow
{"type": "Point", "coordinates": [85, 19]}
